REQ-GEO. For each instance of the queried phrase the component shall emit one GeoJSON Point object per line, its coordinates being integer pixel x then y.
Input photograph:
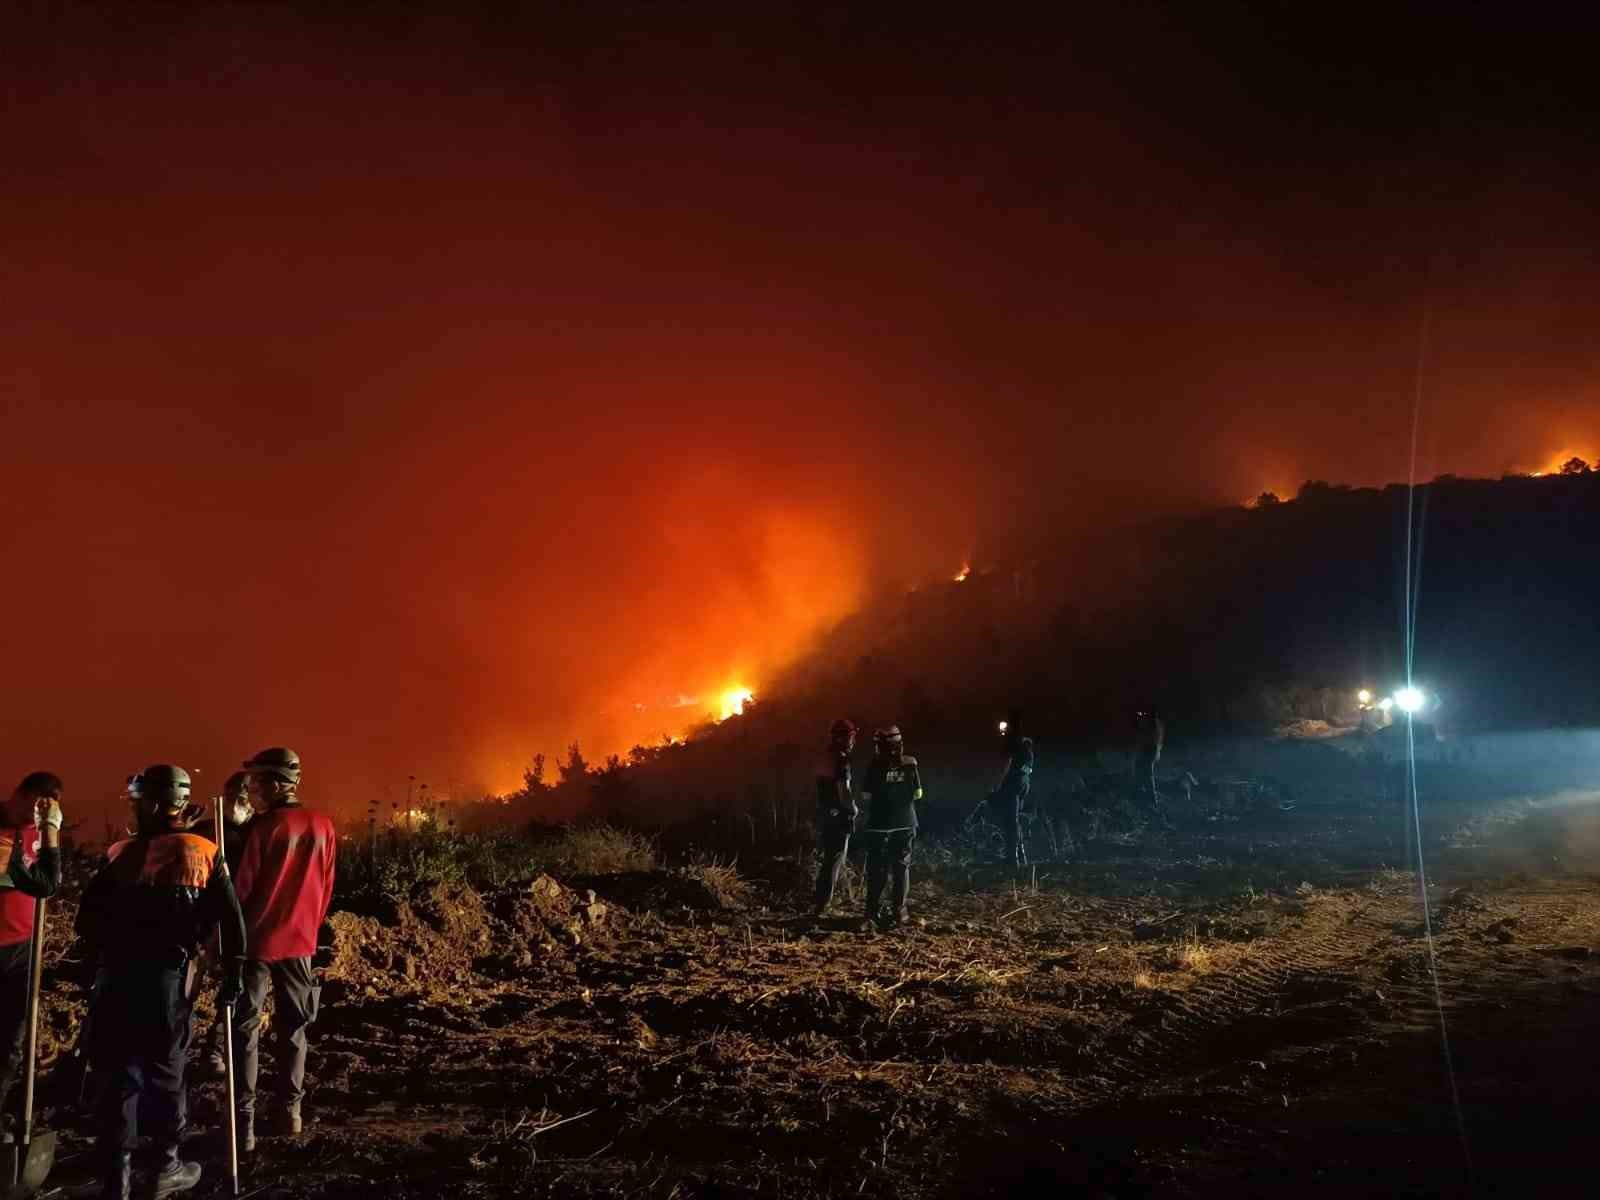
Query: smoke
{"type": "Point", "coordinates": [424, 406]}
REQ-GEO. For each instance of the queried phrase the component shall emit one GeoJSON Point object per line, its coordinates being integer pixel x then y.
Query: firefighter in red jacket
{"type": "Point", "coordinates": [145, 915]}
{"type": "Point", "coordinates": [285, 883]}
{"type": "Point", "coordinates": [30, 854]}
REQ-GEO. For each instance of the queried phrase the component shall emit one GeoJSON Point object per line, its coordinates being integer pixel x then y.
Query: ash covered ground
{"type": "Point", "coordinates": [1241, 1003]}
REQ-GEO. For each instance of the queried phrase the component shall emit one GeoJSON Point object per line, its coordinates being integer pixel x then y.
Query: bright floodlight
{"type": "Point", "coordinates": [1364, 696]}
{"type": "Point", "coordinates": [1410, 700]}
{"type": "Point", "coordinates": [1002, 726]}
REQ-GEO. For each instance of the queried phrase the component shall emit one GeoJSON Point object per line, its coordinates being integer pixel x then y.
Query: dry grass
{"type": "Point", "coordinates": [1144, 980]}
{"type": "Point", "coordinates": [604, 850]}
{"type": "Point", "coordinates": [722, 881]}
{"type": "Point", "coordinates": [1195, 956]}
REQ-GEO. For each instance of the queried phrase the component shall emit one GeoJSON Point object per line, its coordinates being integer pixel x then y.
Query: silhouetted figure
{"type": "Point", "coordinates": [237, 813]}
{"type": "Point", "coordinates": [836, 812]}
{"type": "Point", "coordinates": [145, 915]}
{"type": "Point", "coordinates": [1150, 736]}
{"type": "Point", "coordinates": [1010, 797]}
{"type": "Point", "coordinates": [893, 789]}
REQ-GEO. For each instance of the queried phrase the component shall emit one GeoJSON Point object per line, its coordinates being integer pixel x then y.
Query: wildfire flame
{"type": "Point", "coordinates": [961, 575]}
{"type": "Point", "coordinates": [733, 701]}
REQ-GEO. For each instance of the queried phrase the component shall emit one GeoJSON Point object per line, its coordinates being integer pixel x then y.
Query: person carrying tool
{"type": "Point", "coordinates": [892, 791]}
{"type": "Point", "coordinates": [1010, 796]}
{"type": "Point", "coordinates": [836, 812]}
{"type": "Point", "coordinates": [285, 883]}
{"type": "Point", "coordinates": [30, 852]}
{"type": "Point", "coordinates": [145, 915]}
{"type": "Point", "coordinates": [237, 813]}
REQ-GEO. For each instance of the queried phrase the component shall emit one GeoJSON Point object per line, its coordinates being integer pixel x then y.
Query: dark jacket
{"type": "Point", "coordinates": [1017, 781]}
{"type": "Point", "coordinates": [233, 839]}
{"type": "Point", "coordinates": [836, 806]}
{"type": "Point", "coordinates": [158, 897]}
{"type": "Point", "coordinates": [892, 791]}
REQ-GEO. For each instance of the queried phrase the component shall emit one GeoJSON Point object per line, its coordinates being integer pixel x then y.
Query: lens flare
{"type": "Point", "coordinates": [1410, 700]}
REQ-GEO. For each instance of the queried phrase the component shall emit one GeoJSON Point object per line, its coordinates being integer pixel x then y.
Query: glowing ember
{"type": "Point", "coordinates": [961, 575]}
{"type": "Point", "coordinates": [733, 701]}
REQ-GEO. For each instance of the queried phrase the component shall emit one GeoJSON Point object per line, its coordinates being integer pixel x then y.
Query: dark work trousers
{"type": "Point", "coordinates": [294, 1007]}
{"type": "Point", "coordinates": [139, 1047]}
{"type": "Point", "coordinates": [889, 854]}
{"type": "Point", "coordinates": [1011, 821]}
{"type": "Point", "coordinates": [13, 1017]}
{"type": "Point", "coordinates": [833, 844]}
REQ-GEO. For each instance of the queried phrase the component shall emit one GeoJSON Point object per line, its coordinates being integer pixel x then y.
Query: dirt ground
{"type": "Point", "coordinates": [1235, 1006]}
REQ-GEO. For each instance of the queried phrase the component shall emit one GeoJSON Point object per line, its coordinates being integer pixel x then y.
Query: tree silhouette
{"type": "Point", "coordinates": [575, 768]}
{"type": "Point", "coordinates": [1574, 466]}
{"type": "Point", "coordinates": [1267, 500]}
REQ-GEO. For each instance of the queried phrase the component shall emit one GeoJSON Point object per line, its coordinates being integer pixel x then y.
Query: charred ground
{"type": "Point", "coordinates": [1241, 1003]}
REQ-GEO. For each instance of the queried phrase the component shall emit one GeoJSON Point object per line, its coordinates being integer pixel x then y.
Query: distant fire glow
{"type": "Point", "coordinates": [733, 701]}
{"type": "Point", "coordinates": [962, 575]}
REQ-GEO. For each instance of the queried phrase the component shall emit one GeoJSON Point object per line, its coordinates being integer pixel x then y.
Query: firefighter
{"type": "Point", "coordinates": [836, 812]}
{"type": "Point", "coordinates": [30, 850]}
{"type": "Point", "coordinates": [145, 915]}
{"type": "Point", "coordinates": [892, 791]}
{"type": "Point", "coordinates": [1011, 795]}
{"type": "Point", "coordinates": [237, 813]}
{"type": "Point", "coordinates": [1150, 735]}
{"type": "Point", "coordinates": [285, 884]}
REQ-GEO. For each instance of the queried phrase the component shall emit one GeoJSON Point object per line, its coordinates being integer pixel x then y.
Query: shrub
{"type": "Point", "coordinates": [397, 862]}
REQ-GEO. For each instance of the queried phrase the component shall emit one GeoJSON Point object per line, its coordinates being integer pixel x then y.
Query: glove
{"type": "Point", "coordinates": [232, 986]}
{"type": "Point", "coordinates": [47, 813]}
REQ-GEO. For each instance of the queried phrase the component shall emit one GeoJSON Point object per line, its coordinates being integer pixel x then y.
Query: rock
{"type": "Point", "coordinates": [407, 966]}
{"type": "Point", "coordinates": [544, 888]}
{"type": "Point", "coordinates": [594, 912]}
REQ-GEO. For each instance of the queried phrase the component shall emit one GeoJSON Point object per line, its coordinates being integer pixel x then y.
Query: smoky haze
{"type": "Point", "coordinates": [429, 395]}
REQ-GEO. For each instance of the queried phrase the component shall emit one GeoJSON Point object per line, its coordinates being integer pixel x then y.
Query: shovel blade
{"type": "Point", "coordinates": [39, 1155]}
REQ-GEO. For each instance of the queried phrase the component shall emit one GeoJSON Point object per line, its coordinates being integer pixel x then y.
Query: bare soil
{"type": "Point", "coordinates": [1236, 1007]}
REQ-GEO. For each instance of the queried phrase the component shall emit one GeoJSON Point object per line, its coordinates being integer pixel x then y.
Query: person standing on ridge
{"type": "Point", "coordinates": [145, 915]}
{"type": "Point", "coordinates": [836, 812]}
{"type": "Point", "coordinates": [285, 884]}
{"type": "Point", "coordinates": [30, 855]}
{"type": "Point", "coordinates": [892, 791]}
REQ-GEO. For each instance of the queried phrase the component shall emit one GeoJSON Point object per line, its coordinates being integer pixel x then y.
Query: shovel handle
{"type": "Point", "coordinates": [227, 1030]}
{"type": "Point", "coordinates": [35, 974]}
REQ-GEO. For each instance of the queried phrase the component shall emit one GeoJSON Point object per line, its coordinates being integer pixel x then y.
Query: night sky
{"type": "Point", "coordinates": [427, 388]}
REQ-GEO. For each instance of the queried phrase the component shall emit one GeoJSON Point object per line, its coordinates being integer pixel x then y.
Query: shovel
{"type": "Point", "coordinates": [227, 1038]}
{"type": "Point", "coordinates": [32, 1157]}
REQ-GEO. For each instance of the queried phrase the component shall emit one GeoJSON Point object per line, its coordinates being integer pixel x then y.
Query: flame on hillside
{"type": "Point", "coordinates": [733, 701]}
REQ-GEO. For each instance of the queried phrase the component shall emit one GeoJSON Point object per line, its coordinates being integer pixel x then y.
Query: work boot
{"type": "Point", "coordinates": [174, 1175]}
{"type": "Point", "coordinates": [216, 1065]}
{"type": "Point", "coordinates": [118, 1183]}
{"type": "Point", "coordinates": [247, 1133]}
{"type": "Point", "coordinates": [288, 1122]}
